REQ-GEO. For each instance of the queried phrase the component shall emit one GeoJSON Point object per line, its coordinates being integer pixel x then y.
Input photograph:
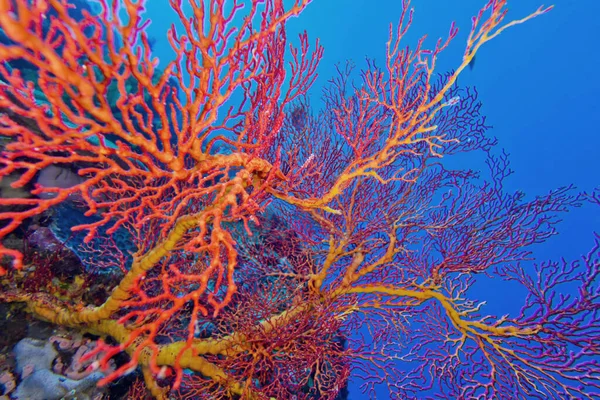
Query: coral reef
{"type": "Point", "coordinates": [53, 369]}
{"type": "Point", "coordinates": [251, 248]}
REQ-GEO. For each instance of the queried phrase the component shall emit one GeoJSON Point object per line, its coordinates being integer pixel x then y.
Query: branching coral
{"type": "Point", "coordinates": [267, 237]}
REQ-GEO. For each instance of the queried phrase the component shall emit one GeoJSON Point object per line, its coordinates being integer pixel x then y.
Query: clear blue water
{"type": "Point", "coordinates": [538, 83]}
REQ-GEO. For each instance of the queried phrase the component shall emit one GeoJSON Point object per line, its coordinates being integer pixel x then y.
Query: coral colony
{"type": "Point", "coordinates": [258, 248]}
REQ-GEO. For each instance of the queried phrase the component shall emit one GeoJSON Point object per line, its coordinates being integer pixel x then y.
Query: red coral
{"type": "Point", "coordinates": [366, 230]}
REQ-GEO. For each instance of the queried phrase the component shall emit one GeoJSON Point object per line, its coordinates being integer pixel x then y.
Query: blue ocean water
{"type": "Point", "coordinates": [538, 82]}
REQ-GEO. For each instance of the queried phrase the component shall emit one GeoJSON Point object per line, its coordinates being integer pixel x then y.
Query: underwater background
{"type": "Point", "coordinates": [539, 84]}
{"type": "Point", "coordinates": [540, 88]}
